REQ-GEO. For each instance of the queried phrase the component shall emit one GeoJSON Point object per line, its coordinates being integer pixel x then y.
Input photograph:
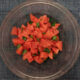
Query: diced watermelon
{"type": "Point", "coordinates": [20, 33]}
{"type": "Point", "coordinates": [51, 55]}
{"type": "Point", "coordinates": [19, 30]}
{"type": "Point", "coordinates": [14, 31]}
{"type": "Point", "coordinates": [38, 40]}
{"type": "Point", "coordinates": [23, 26]}
{"type": "Point", "coordinates": [48, 34]}
{"type": "Point", "coordinates": [17, 41]}
{"type": "Point", "coordinates": [55, 32]}
{"type": "Point", "coordinates": [27, 45]}
{"type": "Point", "coordinates": [48, 24]}
{"type": "Point", "coordinates": [57, 37]}
{"type": "Point", "coordinates": [59, 45]}
{"type": "Point", "coordinates": [33, 18]}
{"type": "Point", "coordinates": [45, 43]}
{"type": "Point", "coordinates": [55, 50]}
{"type": "Point", "coordinates": [19, 50]}
{"type": "Point", "coordinates": [20, 41]}
{"type": "Point", "coordinates": [25, 34]}
{"type": "Point", "coordinates": [44, 55]}
{"type": "Point", "coordinates": [56, 26]}
{"type": "Point", "coordinates": [34, 44]}
{"type": "Point", "coordinates": [34, 25]}
{"type": "Point", "coordinates": [43, 27]}
{"type": "Point", "coordinates": [34, 51]}
{"type": "Point", "coordinates": [44, 19]}
{"type": "Point", "coordinates": [40, 48]}
{"type": "Point", "coordinates": [38, 60]}
{"type": "Point", "coordinates": [24, 56]}
{"type": "Point", "coordinates": [28, 56]}
{"type": "Point", "coordinates": [30, 28]}
{"type": "Point", "coordinates": [37, 33]}
{"type": "Point", "coordinates": [29, 39]}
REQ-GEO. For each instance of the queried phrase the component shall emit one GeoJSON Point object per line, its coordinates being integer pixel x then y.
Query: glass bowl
{"type": "Point", "coordinates": [51, 69]}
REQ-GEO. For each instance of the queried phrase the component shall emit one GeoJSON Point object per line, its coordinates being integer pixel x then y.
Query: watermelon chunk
{"type": "Point", "coordinates": [28, 56]}
{"type": "Point", "coordinates": [19, 50]}
{"type": "Point", "coordinates": [51, 55]}
{"type": "Point", "coordinates": [14, 31]}
{"type": "Point", "coordinates": [44, 55]}
{"type": "Point", "coordinates": [38, 59]}
{"type": "Point", "coordinates": [59, 45]}
{"type": "Point", "coordinates": [33, 18]}
{"type": "Point", "coordinates": [55, 50]}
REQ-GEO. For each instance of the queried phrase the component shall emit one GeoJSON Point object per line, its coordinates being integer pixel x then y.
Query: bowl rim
{"type": "Point", "coordinates": [70, 16]}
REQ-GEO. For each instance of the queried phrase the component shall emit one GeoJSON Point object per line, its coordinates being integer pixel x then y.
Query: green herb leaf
{"type": "Point", "coordinates": [18, 46]}
{"type": "Point", "coordinates": [53, 24]}
{"type": "Point", "coordinates": [47, 50]}
{"type": "Point", "coordinates": [43, 33]}
{"type": "Point", "coordinates": [50, 19]}
{"type": "Point", "coordinates": [31, 36]}
{"type": "Point", "coordinates": [30, 22]}
{"type": "Point", "coordinates": [54, 38]}
{"type": "Point", "coordinates": [38, 25]}
{"type": "Point", "coordinates": [34, 55]}
{"type": "Point", "coordinates": [25, 51]}
{"type": "Point", "coordinates": [38, 39]}
{"type": "Point", "coordinates": [24, 38]}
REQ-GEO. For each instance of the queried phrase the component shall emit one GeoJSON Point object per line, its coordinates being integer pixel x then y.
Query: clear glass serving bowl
{"type": "Point", "coordinates": [69, 30]}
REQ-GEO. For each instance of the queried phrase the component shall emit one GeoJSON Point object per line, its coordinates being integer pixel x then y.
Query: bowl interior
{"type": "Point", "coordinates": [67, 35]}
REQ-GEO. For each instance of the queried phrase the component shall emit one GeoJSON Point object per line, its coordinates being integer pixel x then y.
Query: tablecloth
{"type": "Point", "coordinates": [72, 5]}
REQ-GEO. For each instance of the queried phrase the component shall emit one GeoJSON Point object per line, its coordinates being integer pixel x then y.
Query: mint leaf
{"type": "Point", "coordinates": [38, 25]}
{"type": "Point", "coordinates": [24, 38]}
{"type": "Point", "coordinates": [53, 24]}
{"type": "Point", "coordinates": [54, 38]}
{"type": "Point", "coordinates": [47, 50]}
{"type": "Point", "coordinates": [25, 51]}
{"type": "Point", "coordinates": [30, 22]}
{"type": "Point", "coordinates": [18, 46]}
